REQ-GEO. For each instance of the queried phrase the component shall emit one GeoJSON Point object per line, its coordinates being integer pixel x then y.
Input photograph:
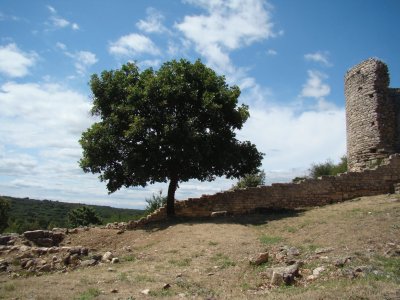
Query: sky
{"type": "Point", "coordinates": [288, 57]}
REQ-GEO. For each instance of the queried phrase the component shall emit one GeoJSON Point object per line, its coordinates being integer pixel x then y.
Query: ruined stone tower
{"type": "Point", "coordinates": [372, 115]}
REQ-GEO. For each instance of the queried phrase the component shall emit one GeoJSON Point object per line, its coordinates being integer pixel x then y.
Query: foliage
{"type": "Point", "coordinates": [83, 216]}
{"type": "Point", "coordinates": [4, 213]}
{"type": "Point", "coordinates": [250, 180]}
{"type": "Point", "coordinates": [155, 202]}
{"type": "Point", "coordinates": [328, 168]}
{"type": "Point", "coordinates": [29, 214]}
{"type": "Point", "coordinates": [174, 124]}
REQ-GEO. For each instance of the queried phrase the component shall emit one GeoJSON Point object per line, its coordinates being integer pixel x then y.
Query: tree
{"type": "Point", "coordinates": [250, 180]}
{"type": "Point", "coordinates": [173, 124]}
{"type": "Point", "coordinates": [4, 209]}
{"type": "Point", "coordinates": [83, 216]}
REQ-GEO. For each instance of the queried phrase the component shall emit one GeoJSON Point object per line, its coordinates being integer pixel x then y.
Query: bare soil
{"type": "Point", "coordinates": [209, 258]}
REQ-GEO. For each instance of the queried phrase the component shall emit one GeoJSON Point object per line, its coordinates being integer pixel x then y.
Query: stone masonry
{"type": "Point", "coordinates": [373, 147]}
{"type": "Point", "coordinates": [372, 115]}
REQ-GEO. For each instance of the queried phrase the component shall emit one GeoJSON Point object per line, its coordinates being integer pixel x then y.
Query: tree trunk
{"type": "Point", "coordinates": [173, 184]}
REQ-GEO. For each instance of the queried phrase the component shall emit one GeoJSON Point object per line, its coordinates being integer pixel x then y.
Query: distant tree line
{"type": "Point", "coordinates": [22, 214]}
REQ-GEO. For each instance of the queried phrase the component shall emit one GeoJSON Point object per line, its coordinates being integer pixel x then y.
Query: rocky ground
{"type": "Point", "coordinates": [349, 250]}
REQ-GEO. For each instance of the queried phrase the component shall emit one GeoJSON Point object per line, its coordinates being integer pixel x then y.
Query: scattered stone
{"type": "Point", "coordinates": [311, 277]}
{"type": "Point", "coordinates": [114, 291]}
{"type": "Point", "coordinates": [221, 213]}
{"type": "Point", "coordinates": [44, 238]}
{"type": "Point", "coordinates": [5, 239]}
{"type": "Point", "coordinates": [3, 265]}
{"type": "Point", "coordinates": [145, 291]}
{"type": "Point", "coordinates": [88, 263]}
{"type": "Point", "coordinates": [293, 251]}
{"type": "Point", "coordinates": [110, 270]}
{"type": "Point", "coordinates": [121, 231]}
{"type": "Point", "coordinates": [115, 260]}
{"type": "Point", "coordinates": [108, 256]}
{"type": "Point", "coordinates": [259, 259]}
{"type": "Point", "coordinates": [210, 274]}
{"type": "Point", "coordinates": [280, 275]}
{"type": "Point", "coordinates": [318, 271]}
{"type": "Point", "coordinates": [166, 286]}
{"type": "Point", "coordinates": [323, 250]}
{"type": "Point", "coordinates": [340, 262]}
{"type": "Point", "coordinates": [96, 257]}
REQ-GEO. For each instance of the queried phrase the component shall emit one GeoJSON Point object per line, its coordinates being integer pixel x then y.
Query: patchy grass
{"type": "Point", "coordinates": [223, 261]}
{"type": "Point", "coordinates": [206, 259]}
{"type": "Point", "coordinates": [89, 294]}
{"type": "Point", "coordinates": [270, 240]}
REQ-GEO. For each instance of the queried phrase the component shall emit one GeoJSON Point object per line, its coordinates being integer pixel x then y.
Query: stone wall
{"type": "Point", "coordinates": [308, 193]}
{"type": "Point", "coordinates": [372, 115]}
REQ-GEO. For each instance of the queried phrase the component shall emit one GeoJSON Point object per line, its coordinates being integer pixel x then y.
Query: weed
{"type": "Point", "coordinates": [391, 265]}
{"type": "Point", "coordinates": [245, 286]}
{"type": "Point", "coordinates": [291, 229]}
{"type": "Point", "coordinates": [223, 260]}
{"type": "Point", "coordinates": [181, 263]}
{"type": "Point", "coordinates": [89, 294]}
{"type": "Point", "coordinates": [9, 287]}
{"type": "Point", "coordinates": [269, 240]}
{"type": "Point", "coordinates": [195, 289]}
{"type": "Point", "coordinates": [161, 293]}
{"type": "Point", "coordinates": [122, 276]}
{"type": "Point", "coordinates": [144, 278]}
{"type": "Point", "coordinates": [211, 243]}
{"type": "Point", "coordinates": [129, 258]}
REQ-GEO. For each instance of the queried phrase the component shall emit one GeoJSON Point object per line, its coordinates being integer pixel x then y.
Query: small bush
{"type": "Point", "coordinates": [155, 202]}
{"type": "Point", "coordinates": [250, 180]}
{"type": "Point", "coordinates": [83, 216]}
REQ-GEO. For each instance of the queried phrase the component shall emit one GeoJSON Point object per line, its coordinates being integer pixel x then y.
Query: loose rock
{"type": "Point", "coordinates": [259, 259]}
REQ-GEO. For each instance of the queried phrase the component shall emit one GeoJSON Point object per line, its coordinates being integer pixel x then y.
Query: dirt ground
{"type": "Point", "coordinates": [209, 259]}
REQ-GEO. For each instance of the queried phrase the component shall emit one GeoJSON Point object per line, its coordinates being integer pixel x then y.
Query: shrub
{"type": "Point", "coordinates": [4, 213]}
{"type": "Point", "coordinates": [250, 180]}
{"type": "Point", "coordinates": [155, 202]}
{"type": "Point", "coordinates": [83, 216]}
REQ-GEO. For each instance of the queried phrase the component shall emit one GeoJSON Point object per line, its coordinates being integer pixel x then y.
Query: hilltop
{"type": "Point", "coordinates": [354, 246]}
{"type": "Point", "coordinates": [29, 214]}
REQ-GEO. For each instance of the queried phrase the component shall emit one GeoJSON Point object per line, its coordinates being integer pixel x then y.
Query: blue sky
{"type": "Point", "coordinates": [288, 57]}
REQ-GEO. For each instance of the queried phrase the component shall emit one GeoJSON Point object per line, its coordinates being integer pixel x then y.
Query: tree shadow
{"type": "Point", "coordinates": [259, 217]}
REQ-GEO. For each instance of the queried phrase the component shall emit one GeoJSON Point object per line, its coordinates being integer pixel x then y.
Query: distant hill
{"type": "Point", "coordinates": [30, 214]}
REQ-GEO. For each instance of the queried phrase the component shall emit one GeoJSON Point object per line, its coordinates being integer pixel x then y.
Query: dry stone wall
{"type": "Point", "coordinates": [308, 193]}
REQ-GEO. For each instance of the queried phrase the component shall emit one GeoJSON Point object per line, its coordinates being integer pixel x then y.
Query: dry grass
{"type": "Point", "coordinates": [209, 258]}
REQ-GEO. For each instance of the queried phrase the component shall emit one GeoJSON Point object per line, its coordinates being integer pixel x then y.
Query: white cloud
{"type": "Point", "coordinates": [154, 63]}
{"type": "Point", "coordinates": [59, 22]}
{"type": "Point", "coordinates": [292, 140]}
{"type": "Point", "coordinates": [133, 44]}
{"type": "Point", "coordinates": [83, 60]}
{"type": "Point", "coordinates": [272, 52]}
{"type": "Point", "coordinates": [14, 62]}
{"type": "Point", "coordinates": [41, 115]}
{"type": "Point", "coordinates": [314, 87]}
{"type": "Point", "coordinates": [319, 57]}
{"type": "Point", "coordinates": [226, 26]}
{"type": "Point", "coordinates": [153, 22]}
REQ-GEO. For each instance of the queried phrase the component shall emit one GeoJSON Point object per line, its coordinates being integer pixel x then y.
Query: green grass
{"type": "Point", "coordinates": [9, 287]}
{"type": "Point", "coordinates": [122, 276]}
{"type": "Point", "coordinates": [211, 243]}
{"type": "Point", "coordinates": [390, 265]}
{"type": "Point", "coordinates": [89, 294]}
{"type": "Point", "coordinates": [128, 258]}
{"type": "Point", "coordinates": [223, 261]}
{"type": "Point", "coordinates": [270, 240]}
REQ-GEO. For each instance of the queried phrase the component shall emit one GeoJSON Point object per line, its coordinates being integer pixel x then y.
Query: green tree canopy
{"type": "Point", "coordinates": [4, 213]}
{"type": "Point", "coordinates": [83, 216]}
{"type": "Point", "coordinates": [173, 124]}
